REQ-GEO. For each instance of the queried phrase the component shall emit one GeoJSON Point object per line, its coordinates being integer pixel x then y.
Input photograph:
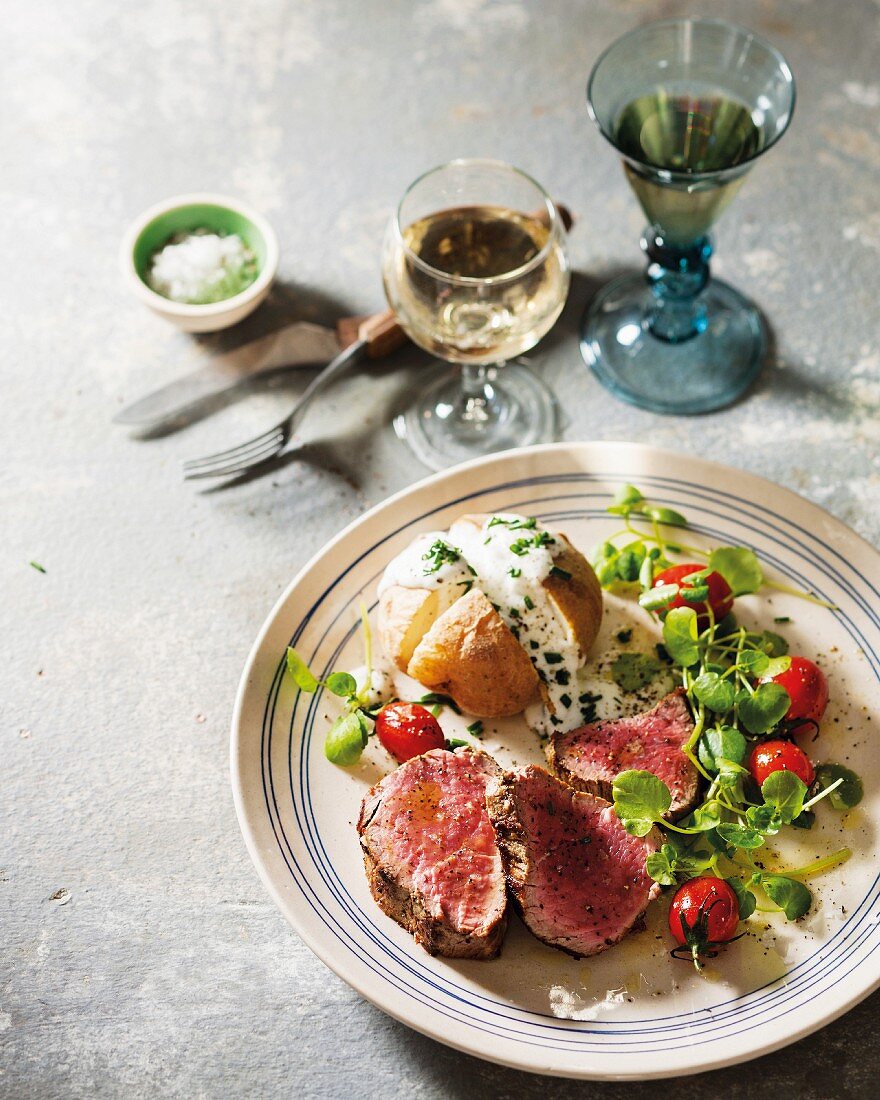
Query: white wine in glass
{"type": "Point", "coordinates": [475, 268]}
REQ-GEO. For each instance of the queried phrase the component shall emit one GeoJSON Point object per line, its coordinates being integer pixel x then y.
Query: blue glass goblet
{"type": "Point", "coordinates": [690, 104]}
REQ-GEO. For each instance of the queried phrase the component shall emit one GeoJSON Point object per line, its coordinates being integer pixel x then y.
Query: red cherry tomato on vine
{"type": "Point", "coordinates": [720, 594]}
{"type": "Point", "coordinates": [704, 914]}
{"type": "Point", "coordinates": [806, 685]}
{"type": "Point", "coordinates": [780, 756]}
{"type": "Point", "coordinates": [407, 730]}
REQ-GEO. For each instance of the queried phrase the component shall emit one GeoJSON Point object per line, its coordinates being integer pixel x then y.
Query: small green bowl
{"type": "Point", "coordinates": [200, 211]}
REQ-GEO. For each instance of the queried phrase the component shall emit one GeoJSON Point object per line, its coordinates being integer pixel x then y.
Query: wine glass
{"type": "Point", "coordinates": [476, 270]}
{"type": "Point", "coordinates": [689, 104]}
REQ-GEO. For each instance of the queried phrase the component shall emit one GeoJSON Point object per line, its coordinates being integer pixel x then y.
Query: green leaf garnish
{"type": "Point", "coordinates": [721, 743]}
{"type": "Point", "coordinates": [656, 599]}
{"type": "Point", "coordinates": [714, 692]}
{"type": "Point", "coordinates": [640, 800]}
{"type": "Point", "coordinates": [792, 897]}
{"type": "Point", "coordinates": [850, 791]}
{"type": "Point", "coordinates": [342, 684]}
{"type": "Point", "coordinates": [760, 712]}
{"type": "Point", "coordinates": [346, 739]}
{"type": "Point", "coordinates": [744, 896]}
{"type": "Point", "coordinates": [785, 793]}
{"type": "Point", "coordinates": [739, 567]}
{"type": "Point", "coordinates": [628, 494]}
{"type": "Point", "coordinates": [740, 836]}
{"type": "Point", "coordinates": [668, 516]}
{"type": "Point", "coordinates": [680, 636]}
{"type": "Point", "coordinates": [774, 645]}
{"type": "Point", "coordinates": [301, 673]}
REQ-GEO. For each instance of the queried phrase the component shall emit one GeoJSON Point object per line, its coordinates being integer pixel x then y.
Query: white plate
{"type": "Point", "coordinates": [637, 1013]}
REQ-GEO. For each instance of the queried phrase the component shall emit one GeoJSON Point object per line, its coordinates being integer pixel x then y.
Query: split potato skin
{"type": "Point", "coordinates": [470, 654]}
{"type": "Point", "coordinates": [460, 646]}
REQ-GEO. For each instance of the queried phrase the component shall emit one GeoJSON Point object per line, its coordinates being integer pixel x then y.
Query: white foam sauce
{"type": "Point", "coordinates": [418, 567]}
{"type": "Point", "coordinates": [508, 559]}
{"type": "Point", "coordinates": [381, 684]}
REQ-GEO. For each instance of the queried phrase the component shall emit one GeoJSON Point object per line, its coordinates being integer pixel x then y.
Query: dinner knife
{"type": "Point", "coordinates": [301, 344]}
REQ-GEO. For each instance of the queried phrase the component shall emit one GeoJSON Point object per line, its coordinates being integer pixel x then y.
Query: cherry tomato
{"type": "Point", "coordinates": [720, 595]}
{"type": "Point", "coordinates": [780, 756]}
{"type": "Point", "coordinates": [704, 914]}
{"type": "Point", "coordinates": [806, 684]}
{"type": "Point", "coordinates": [407, 730]}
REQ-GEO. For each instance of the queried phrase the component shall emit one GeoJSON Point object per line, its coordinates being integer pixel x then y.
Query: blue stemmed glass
{"type": "Point", "coordinates": [690, 104]}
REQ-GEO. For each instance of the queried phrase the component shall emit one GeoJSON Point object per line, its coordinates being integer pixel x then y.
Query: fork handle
{"type": "Point", "coordinates": [381, 332]}
{"type": "Point", "coordinates": [343, 360]}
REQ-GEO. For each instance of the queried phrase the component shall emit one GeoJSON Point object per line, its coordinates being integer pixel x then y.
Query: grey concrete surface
{"type": "Point", "coordinates": [140, 955]}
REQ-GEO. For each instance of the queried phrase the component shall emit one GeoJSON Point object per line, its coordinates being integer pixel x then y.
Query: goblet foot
{"type": "Point", "coordinates": [449, 424]}
{"type": "Point", "coordinates": [710, 370]}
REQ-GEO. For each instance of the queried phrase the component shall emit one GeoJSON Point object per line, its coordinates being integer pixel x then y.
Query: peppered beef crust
{"type": "Point", "coordinates": [519, 870]}
{"type": "Point", "coordinates": [408, 906]}
{"type": "Point", "coordinates": [673, 709]}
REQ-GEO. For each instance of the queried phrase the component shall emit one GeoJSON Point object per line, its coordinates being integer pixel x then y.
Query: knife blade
{"type": "Point", "coordinates": [300, 344]}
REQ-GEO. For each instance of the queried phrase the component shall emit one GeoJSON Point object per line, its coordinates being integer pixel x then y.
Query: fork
{"type": "Point", "coordinates": [376, 336]}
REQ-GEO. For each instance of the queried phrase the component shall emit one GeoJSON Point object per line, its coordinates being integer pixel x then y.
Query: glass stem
{"type": "Point", "coordinates": [677, 273]}
{"type": "Point", "coordinates": [477, 407]}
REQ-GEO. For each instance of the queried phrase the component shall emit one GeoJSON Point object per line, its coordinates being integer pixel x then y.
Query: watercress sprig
{"type": "Point", "coordinates": [348, 734]}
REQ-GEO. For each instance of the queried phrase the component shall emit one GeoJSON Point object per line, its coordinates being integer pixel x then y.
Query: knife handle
{"type": "Point", "coordinates": [381, 332]}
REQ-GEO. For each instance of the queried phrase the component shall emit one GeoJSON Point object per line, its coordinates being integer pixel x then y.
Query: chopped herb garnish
{"type": "Point", "coordinates": [565, 699]}
{"type": "Point", "coordinates": [517, 524]}
{"type": "Point", "coordinates": [534, 644]}
{"type": "Point", "coordinates": [782, 619]}
{"type": "Point", "coordinates": [514, 614]}
{"type": "Point", "coordinates": [562, 677]}
{"type": "Point", "coordinates": [552, 658]}
{"type": "Point", "coordinates": [563, 574]}
{"type": "Point", "coordinates": [453, 743]}
{"type": "Point", "coordinates": [530, 603]}
{"type": "Point", "coordinates": [624, 636]}
{"type": "Point", "coordinates": [475, 729]}
{"type": "Point", "coordinates": [514, 572]}
{"type": "Point", "coordinates": [439, 553]}
{"type": "Point", "coordinates": [520, 547]}
{"type": "Point", "coordinates": [441, 700]}
{"type": "Point", "coordinates": [36, 565]}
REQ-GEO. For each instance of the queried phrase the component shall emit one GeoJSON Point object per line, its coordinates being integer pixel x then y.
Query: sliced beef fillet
{"type": "Point", "coordinates": [578, 878]}
{"type": "Point", "coordinates": [431, 856]}
{"type": "Point", "coordinates": [590, 758]}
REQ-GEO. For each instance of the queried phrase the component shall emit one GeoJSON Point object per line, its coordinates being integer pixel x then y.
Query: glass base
{"type": "Point", "coordinates": [444, 427]}
{"type": "Point", "coordinates": [706, 372]}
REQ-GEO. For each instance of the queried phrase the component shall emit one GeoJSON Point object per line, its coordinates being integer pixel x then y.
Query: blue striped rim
{"type": "Point", "coordinates": [310, 837]}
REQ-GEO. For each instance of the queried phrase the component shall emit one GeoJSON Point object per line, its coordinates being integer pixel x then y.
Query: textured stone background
{"type": "Point", "coordinates": [140, 954]}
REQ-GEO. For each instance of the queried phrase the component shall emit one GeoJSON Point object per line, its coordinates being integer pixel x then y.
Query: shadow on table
{"type": "Point", "coordinates": [342, 453]}
{"type": "Point", "coordinates": [793, 382]}
{"type": "Point", "coordinates": [286, 304]}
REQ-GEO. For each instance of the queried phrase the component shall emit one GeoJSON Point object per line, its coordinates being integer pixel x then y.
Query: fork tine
{"type": "Point", "coordinates": [237, 467]}
{"type": "Point", "coordinates": [234, 453]}
{"type": "Point", "coordinates": [238, 458]}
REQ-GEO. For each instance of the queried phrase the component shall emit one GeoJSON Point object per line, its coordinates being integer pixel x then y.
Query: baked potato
{"type": "Point", "coordinates": [454, 640]}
